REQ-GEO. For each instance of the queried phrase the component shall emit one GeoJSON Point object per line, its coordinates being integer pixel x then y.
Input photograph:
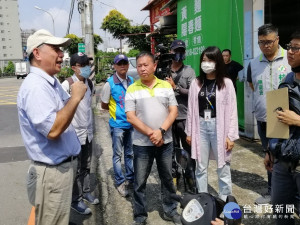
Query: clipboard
{"type": "Point", "coordinates": [277, 100]}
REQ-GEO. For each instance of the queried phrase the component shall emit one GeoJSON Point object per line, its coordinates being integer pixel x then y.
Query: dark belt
{"type": "Point", "coordinates": [69, 159]}
{"type": "Point", "coordinates": [291, 166]}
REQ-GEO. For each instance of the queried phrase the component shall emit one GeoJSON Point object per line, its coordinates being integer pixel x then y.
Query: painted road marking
{"type": "Point", "coordinates": [8, 95]}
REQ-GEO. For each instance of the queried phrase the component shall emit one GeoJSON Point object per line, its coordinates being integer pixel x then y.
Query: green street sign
{"type": "Point", "coordinates": [81, 47]}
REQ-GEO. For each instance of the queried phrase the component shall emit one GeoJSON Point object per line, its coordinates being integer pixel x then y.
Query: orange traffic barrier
{"type": "Point", "coordinates": [31, 220]}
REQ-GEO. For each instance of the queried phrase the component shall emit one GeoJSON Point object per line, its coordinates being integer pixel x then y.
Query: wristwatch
{"type": "Point", "coordinates": [176, 89]}
{"type": "Point", "coordinates": [163, 131]}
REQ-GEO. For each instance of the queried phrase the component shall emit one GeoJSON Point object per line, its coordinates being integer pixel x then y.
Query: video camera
{"type": "Point", "coordinates": [164, 58]}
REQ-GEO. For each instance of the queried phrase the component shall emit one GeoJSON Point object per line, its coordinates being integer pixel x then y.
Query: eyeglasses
{"type": "Point", "coordinates": [122, 63]}
{"type": "Point", "coordinates": [292, 48]}
{"type": "Point", "coordinates": [267, 42]}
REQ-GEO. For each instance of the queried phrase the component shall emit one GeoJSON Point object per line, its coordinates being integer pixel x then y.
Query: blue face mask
{"type": "Point", "coordinates": [85, 71]}
{"type": "Point", "coordinates": [179, 57]}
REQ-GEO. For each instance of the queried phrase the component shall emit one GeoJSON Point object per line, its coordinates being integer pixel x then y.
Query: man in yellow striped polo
{"type": "Point", "coordinates": [151, 108]}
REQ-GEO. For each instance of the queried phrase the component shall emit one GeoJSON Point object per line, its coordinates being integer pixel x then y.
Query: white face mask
{"type": "Point", "coordinates": [208, 67]}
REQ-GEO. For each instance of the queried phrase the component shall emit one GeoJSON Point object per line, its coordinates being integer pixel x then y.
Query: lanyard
{"type": "Point", "coordinates": [208, 96]}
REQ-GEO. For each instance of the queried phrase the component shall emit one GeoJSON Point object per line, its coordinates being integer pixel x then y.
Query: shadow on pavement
{"type": "Point", "coordinates": [253, 146]}
{"type": "Point", "coordinates": [243, 179]}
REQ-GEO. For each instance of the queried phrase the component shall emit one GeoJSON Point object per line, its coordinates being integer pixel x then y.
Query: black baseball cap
{"type": "Point", "coordinates": [79, 58]}
{"type": "Point", "coordinates": [178, 44]}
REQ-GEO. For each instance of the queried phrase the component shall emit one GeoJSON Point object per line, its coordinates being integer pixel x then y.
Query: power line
{"type": "Point", "coordinates": [107, 5]}
{"type": "Point", "coordinates": [70, 16]}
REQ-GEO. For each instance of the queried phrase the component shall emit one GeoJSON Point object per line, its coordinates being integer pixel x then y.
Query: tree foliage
{"type": "Point", "coordinates": [104, 62]}
{"type": "Point", "coordinates": [116, 24]}
{"type": "Point", "coordinates": [137, 39]}
{"type": "Point", "coordinates": [133, 53]}
{"type": "Point", "coordinates": [10, 68]}
{"type": "Point", "coordinates": [97, 40]}
{"type": "Point", "coordinates": [119, 26]}
{"type": "Point", "coordinates": [73, 47]}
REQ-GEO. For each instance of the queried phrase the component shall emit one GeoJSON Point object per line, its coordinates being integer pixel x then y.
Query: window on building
{"type": "Point", "coordinates": [3, 39]}
{"type": "Point", "coordinates": [4, 55]}
{"type": "Point", "coordinates": [2, 31]}
{"type": "Point", "coordinates": [4, 47]}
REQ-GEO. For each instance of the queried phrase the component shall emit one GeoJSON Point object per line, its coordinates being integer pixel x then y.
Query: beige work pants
{"type": "Point", "coordinates": [50, 191]}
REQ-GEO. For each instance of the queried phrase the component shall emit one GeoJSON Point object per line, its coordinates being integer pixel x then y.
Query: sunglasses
{"type": "Point", "coordinates": [122, 62]}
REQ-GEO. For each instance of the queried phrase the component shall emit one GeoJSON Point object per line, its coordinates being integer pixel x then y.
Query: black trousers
{"type": "Point", "coordinates": [179, 136]}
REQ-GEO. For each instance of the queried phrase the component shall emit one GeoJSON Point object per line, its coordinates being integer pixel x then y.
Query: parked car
{"type": "Point", "coordinates": [132, 68]}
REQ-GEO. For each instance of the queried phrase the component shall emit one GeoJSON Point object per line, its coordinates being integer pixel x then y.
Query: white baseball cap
{"type": "Point", "coordinates": [45, 37]}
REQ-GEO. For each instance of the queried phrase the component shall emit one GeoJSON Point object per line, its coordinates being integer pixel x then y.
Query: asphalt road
{"type": "Point", "coordinates": [14, 207]}
{"type": "Point", "coordinates": [14, 162]}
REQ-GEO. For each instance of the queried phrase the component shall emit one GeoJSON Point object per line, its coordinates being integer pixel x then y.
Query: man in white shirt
{"type": "Point", "coordinates": [83, 124]}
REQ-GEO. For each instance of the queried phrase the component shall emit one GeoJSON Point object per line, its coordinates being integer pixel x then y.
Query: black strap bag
{"type": "Point", "coordinates": [289, 149]}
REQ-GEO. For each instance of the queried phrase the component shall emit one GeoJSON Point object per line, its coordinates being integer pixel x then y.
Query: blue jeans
{"type": "Point", "coordinates": [208, 142]}
{"type": "Point", "coordinates": [143, 160]}
{"type": "Point", "coordinates": [262, 132]}
{"type": "Point", "coordinates": [285, 184]}
{"type": "Point", "coordinates": [122, 142]}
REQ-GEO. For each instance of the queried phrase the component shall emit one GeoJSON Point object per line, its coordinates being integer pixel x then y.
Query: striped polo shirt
{"type": "Point", "coordinates": [151, 107]}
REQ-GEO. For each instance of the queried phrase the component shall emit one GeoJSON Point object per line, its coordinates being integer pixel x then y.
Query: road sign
{"type": "Point", "coordinates": [81, 47]}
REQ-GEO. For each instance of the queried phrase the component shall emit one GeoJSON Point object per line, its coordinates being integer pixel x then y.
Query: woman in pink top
{"type": "Point", "coordinates": [212, 123]}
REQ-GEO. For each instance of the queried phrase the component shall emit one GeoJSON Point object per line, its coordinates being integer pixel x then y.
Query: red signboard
{"type": "Point", "coordinates": [156, 13]}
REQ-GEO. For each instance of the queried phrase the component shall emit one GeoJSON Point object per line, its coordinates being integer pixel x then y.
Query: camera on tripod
{"type": "Point", "coordinates": [164, 59]}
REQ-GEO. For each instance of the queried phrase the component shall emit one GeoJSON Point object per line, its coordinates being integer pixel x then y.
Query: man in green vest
{"type": "Point", "coordinates": [265, 73]}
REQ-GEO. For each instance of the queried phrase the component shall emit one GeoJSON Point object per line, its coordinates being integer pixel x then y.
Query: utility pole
{"type": "Point", "coordinates": [121, 45]}
{"type": "Point", "coordinates": [87, 31]}
{"type": "Point", "coordinates": [89, 38]}
{"type": "Point", "coordinates": [82, 16]}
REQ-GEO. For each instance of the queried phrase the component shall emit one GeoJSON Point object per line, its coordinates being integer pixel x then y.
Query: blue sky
{"type": "Point", "coordinates": [59, 9]}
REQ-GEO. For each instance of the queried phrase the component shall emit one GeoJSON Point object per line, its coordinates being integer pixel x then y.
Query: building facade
{"type": "Point", "coordinates": [24, 36]}
{"type": "Point", "coordinates": [10, 33]}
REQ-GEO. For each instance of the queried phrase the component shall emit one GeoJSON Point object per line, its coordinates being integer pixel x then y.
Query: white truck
{"type": "Point", "coordinates": [22, 69]}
